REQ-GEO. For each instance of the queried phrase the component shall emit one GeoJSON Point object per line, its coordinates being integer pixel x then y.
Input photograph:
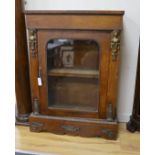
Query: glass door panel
{"type": "Point", "coordinates": [73, 74]}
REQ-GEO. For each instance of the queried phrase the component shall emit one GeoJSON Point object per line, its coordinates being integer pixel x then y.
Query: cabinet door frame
{"type": "Point", "coordinates": [43, 36]}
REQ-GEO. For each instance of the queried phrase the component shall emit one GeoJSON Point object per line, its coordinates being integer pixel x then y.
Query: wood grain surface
{"type": "Point", "coordinates": [126, 144]}
{"type": "Point", "coordinates": [84, 22]}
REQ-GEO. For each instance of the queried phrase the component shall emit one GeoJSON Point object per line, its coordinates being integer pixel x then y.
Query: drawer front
{"type": "Point", "coordinates": [72, 126]}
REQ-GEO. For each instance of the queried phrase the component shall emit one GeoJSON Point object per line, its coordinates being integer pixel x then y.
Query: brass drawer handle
{"type": "Point", "coordinates": [109, 133]}
{"type": "Point", "coordinates": [36, 126]}
{"type": "Point", "coordinates": [70, 128]}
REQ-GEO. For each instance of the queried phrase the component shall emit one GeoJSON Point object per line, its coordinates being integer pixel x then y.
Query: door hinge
{"type": "Point", "coordinates": [115, 44]}
{"type": "Point", "coordinates": [32, 41]}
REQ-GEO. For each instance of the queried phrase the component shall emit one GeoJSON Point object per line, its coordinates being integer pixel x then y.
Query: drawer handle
{"type": "Point", "coordinates": [70, 128]}
{"type": "Point", "coordinates": [109, 133]}
{"type": "Point", "coordinates": [36, 126]}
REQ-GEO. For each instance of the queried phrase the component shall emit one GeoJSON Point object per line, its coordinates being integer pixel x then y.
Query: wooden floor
{"type": "Point", "coordinates": [126, 144]}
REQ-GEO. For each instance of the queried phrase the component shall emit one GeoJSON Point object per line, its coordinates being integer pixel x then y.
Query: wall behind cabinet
{"type": "Point", "coordinates": [130, 40]}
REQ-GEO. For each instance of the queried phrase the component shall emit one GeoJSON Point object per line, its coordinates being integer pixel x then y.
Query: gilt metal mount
{"type": "Point", "coordinates": [109, 133]}
{"type": "Point", "coordinates": [115, 44]}
{"type": "Point", "coordinates": [35, 106]}
{"type": "Point", "coordinates": [32, 41]}
{"type": "Point", "coordinates": [36, 126]}
{"type": "Point", "coordinates": [70, 128]}
{"type": "Point", "coordinates": [109, 112]}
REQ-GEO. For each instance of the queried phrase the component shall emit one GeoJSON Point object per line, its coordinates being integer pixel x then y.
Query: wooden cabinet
{"type": "Point", "coordinates": [73, 58]}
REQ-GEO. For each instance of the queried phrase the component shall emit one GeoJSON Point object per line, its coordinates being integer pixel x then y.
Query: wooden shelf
{"type": "Point", "coordinates": [74, 73]}
{"type": "Point", "coordinates": [81, 107]}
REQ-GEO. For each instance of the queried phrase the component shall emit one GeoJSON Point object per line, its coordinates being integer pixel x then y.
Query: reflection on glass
{"type": "Point", "coordinates": [73, 74]}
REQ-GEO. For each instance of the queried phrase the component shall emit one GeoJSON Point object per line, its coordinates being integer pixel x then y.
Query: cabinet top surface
{"type": "Point", "coordinates": [75, 12]}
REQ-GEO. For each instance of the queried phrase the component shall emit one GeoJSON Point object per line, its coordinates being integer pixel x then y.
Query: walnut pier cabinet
{"type": "Point", "coordinates": [73, 64]}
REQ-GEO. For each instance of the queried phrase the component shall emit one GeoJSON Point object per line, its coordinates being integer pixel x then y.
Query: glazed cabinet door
{"type": "Point", "coordinates": [72, 69]}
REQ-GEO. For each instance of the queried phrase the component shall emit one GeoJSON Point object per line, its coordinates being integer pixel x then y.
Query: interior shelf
{"type": "Point", "coordinates": [74, 73]}
{"type": "Point", "coordinates": [80, 107]}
